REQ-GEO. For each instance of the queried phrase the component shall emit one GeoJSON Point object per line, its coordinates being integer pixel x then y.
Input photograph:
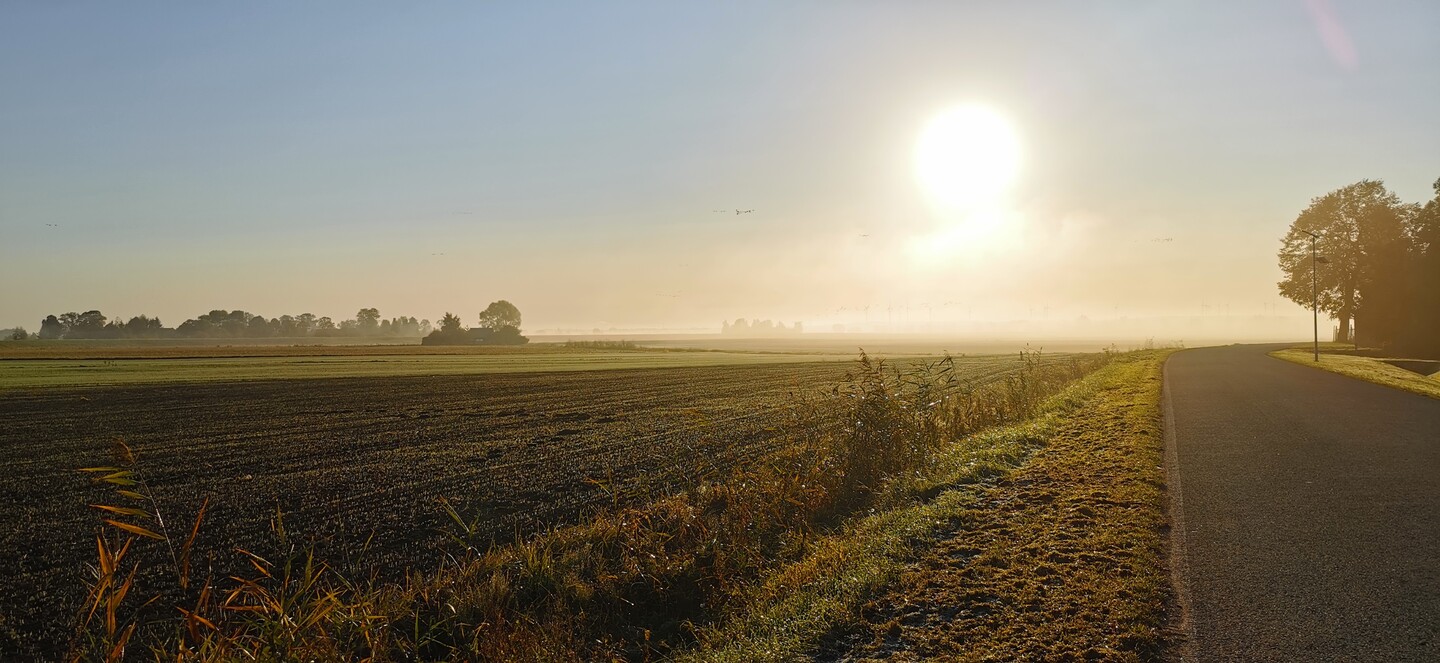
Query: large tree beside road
{"type": "Point", "coordinates": [1357, 227]}
{"type": "Point", "coordinates": [1375, 251]}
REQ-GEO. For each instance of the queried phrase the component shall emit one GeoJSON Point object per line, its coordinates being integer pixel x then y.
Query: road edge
{"type": "Point", "coordinates": [1180, 623]}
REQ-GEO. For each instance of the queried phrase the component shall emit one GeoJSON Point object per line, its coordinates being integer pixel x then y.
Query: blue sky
{"type": "Point", "coordinates": [285, 157]}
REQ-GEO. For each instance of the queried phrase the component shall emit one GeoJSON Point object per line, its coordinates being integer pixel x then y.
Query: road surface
{"type": "Point", "coordinates": [1307, 511]}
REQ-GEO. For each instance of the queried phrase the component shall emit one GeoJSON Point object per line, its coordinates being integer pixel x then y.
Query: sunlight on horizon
{"type": "Point", "coordinates": [967, 159]}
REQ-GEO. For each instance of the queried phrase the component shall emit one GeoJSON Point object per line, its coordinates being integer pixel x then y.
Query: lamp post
{"type": "Point", "coordinates": [1314, 293]}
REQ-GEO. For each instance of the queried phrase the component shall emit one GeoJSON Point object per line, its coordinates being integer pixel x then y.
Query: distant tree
{"type": "Point", "coordinates": [451, 332]}
{"type": "Point", "coordinates": [500, 314]}
{"type": "Point", "coordinates": [368, 321]}
{"type": "Point", "coordinates": [19, 334]}
{"type": "Point", "coordinates": [90, 324]}
{"type": "Point", "coordinates": [1357, 225]}
{"type": "Point", "coordinates": [305, 324]}
{"type": "Point", "coordinates": [51, 328]}
{"type": "Point", "coordinates": [258, 327]}
{"type": "Point", "coordinates": [193, 328]}
{"type": "Point", "coordinates": [287, 327]}
{"type": "Point", "coordinates": [232, 324]}
{"type": "Point", "coordinates": [324, 323]}
{"type": "Point", "coordinates": [426, 327]}
{"type": "Point", "coordinates": [499, 325]}
{"type": "Point", "coordinates": [143, 326]}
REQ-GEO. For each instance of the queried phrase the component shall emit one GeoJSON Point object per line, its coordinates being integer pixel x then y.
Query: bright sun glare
{"type": "Point", "coordinates": [967, 157]}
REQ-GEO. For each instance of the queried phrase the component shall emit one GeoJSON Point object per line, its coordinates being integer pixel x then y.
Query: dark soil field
{"type": "Point", "coordinates": [358, 466]}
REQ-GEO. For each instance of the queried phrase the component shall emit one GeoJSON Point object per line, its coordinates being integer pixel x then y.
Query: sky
{"type": "Point", "coordinates": [173, 158]}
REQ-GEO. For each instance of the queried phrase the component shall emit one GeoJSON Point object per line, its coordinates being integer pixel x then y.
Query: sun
{"type": "Point", "coordinates": [967, 157]}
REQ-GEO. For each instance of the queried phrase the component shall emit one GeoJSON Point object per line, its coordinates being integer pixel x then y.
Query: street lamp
{"type": "Point", "coordinates": [1315, 292]}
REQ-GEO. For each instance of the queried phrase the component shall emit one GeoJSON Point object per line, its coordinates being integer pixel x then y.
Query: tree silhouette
{"type": "Point", "coordinates": [1422, 333]}
{"type": "Point", "coordinates": [499, 315]}
{"type": "Point", "coordinates": [368, 320]}
{"type": "Point", "coordinates": [1355, 223]}
{"type": "Point", "coordinates": [51, 328]}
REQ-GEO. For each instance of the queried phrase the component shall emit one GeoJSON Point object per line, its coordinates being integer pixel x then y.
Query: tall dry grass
{"type": "Point", "coordinates": [631, 584]}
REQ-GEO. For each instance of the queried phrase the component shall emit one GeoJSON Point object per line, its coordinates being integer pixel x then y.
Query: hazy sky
{"type": "Point", "coordinates": [424, 157]}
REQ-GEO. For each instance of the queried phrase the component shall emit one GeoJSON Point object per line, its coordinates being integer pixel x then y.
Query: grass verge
{"type": "Point", "coordinates": [1039, 541]}
{"type": "Point", "coordinates": [1369, 369]}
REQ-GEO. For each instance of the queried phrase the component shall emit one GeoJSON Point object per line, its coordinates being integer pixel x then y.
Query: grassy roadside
{"type": "Point", "coordinates": [1365, 368]}
{"type": "Point", "coordinates": [1041, 541]}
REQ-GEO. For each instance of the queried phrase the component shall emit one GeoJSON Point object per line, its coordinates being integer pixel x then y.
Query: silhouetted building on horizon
{"type": "Point", "coordinates": [760, 328]}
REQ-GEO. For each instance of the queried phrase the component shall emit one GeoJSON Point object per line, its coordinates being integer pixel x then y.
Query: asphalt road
{"type": "Point", "coordinates": [1307, 511]}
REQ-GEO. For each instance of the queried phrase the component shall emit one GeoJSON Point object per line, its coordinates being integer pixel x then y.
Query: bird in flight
{"type": "Point", "coordinates": [53, 225]}
{"type": "Point", "coordinates": [743, 211]}
{"type": "Point", "coordinates": [438, 254]}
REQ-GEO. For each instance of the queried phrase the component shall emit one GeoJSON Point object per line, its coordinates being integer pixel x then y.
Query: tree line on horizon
{"type": "Point", "coordinates": [1377, 266]}
{"type": "Point", "coordinates": [220, 323]}
{"type": "Point", "coordinates": [499, 324]}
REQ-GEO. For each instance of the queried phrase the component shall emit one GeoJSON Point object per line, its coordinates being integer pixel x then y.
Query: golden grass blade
{"type": "Point", "coordinates": [191, 619]}
{"type": "Point", "coordinates": [122, 510]}
{"type": "Point", "coordinates": [117, 653]}
{"type": "Point", "coordinates": [190, 544]}
{"type": "Point", "coordinates": [123, 549]}
{"type": "Point", "coordinates": [261, 569]}
{"type": "Point", "coordinates": [107, 567]}
{"type": "Point", "coordinates": [112, 605]}
{"type": "Point", "coordinates": [134, 529]}
{"type": "Point", "coordinates": [251, 555]}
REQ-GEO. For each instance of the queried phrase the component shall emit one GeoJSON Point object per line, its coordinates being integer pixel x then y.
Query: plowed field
{"type": "Point", "coordinates": [367, 459]}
